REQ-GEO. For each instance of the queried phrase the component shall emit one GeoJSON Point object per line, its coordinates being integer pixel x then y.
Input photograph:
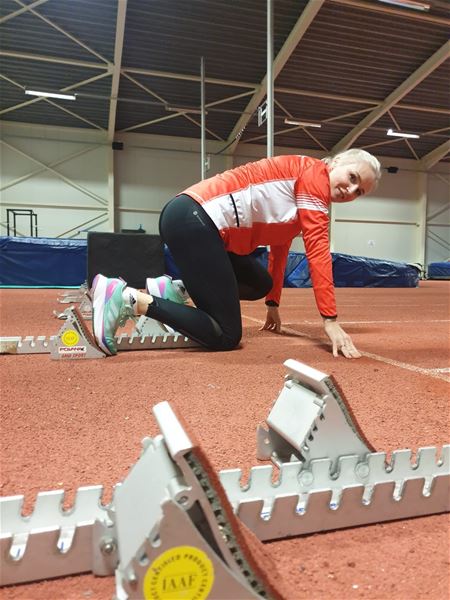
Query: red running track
{"type": "Point", "coordinates": [74, 423]}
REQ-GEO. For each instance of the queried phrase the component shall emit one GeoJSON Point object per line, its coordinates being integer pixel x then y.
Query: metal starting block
{"type": "Point", "coordinates": [171, 521]}
{"type": "Point", "coordinates": [326, 475]}
{"type": "Point", "coordinates": [85, 309]}
{"type": "Point", "coordinates": [73, 296]}
{"type": "Point", "coordinates": [168, 529]}
{"type": "Point", "coordinates": [326, 430]}
{"type": "Point", "coordinates": [74, 339]}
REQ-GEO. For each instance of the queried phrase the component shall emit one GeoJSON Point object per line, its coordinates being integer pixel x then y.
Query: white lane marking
{"type": "Point", "coordinates": [397, 321]}
{"type": "Point", "coordinates": [431, 372]}
{"type": "Point", "coordinates": [436, 373]}
{"type": "Point", "coordinates": [299, 306]}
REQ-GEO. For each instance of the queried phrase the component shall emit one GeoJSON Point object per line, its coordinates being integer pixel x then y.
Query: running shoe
{"type": "Point", "coordinates": [167, 288]}
{"type": "Point", "coordinates": [109, 311]}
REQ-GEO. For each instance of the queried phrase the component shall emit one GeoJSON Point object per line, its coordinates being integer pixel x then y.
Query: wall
{"type": "Point", "coordinates": [384, 225]}
{"type": "Point", "coordinates": [74, 196]}
{"type": "Point", "coordinates": [149, 172]}
{"type": "Point", "coordinates": [61, 174]}
{"type": "Point", "coordinates": [438, 218]}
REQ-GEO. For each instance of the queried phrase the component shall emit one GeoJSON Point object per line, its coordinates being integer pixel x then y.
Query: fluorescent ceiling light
{"type": "Point", "coordinates": [301, 123]}
{"type": "Point", "coordinates": [408, 4]}
{"type": "Point", "coordinates": [401, 134]}
{"type": "Point", "coordinates": [51, 95]}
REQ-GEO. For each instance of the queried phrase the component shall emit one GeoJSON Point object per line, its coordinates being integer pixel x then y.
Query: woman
{"type": "Point", "coordinates": [211, 230]}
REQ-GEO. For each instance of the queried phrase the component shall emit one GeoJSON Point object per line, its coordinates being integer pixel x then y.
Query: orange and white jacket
{"type": "Point", "coordinates": [269, 202]}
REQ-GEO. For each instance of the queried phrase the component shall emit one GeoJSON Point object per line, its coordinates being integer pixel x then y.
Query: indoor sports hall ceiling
{"type": "Point", "coordinates": [355, 67]}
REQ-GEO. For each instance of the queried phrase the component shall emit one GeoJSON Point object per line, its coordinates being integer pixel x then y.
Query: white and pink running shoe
{"type": "Point", "coordinates": [109, 311]}
{"type": "Point", "coordinates": [167, 288]}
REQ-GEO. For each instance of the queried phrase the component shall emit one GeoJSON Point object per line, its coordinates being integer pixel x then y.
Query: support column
{"type": "Point", "coordinates": [111, 191]}
{"type": "Point", "coordinates": [269, 78]}
{"type": "Point", "coordinates": [203, 119]}
{"type": "Point", "coordinates": [422, 199]}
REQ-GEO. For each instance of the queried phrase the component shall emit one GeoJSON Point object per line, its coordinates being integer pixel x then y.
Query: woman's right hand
{"type": "Point", "coordinates": [273, 320]}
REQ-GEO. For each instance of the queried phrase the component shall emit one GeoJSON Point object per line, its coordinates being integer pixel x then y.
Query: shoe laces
{"type": "Point", "coordinates": [126, 312]}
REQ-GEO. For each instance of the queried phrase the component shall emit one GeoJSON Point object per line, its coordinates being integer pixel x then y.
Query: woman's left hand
{"type": "Point", "coordinates": [340, 340]}
{"type": "Point", "coordinates": [273, 320]}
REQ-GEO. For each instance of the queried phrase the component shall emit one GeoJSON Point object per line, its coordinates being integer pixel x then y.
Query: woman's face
{"type": "Point", "coordinates": [350, 180]}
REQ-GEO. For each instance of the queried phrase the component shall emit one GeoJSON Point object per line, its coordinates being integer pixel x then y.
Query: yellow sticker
{"type": "Point", "coordinates": [181, 573]}
{"type": "Point", "coordinates": [70, 337]}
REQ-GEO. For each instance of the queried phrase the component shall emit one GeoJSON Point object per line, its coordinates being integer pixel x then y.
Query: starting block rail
{"type": "Point", "coordinates": [74, 340]}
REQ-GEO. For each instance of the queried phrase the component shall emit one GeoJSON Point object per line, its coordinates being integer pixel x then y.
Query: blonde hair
{"type": "Point", "coordinates": [356, 155]}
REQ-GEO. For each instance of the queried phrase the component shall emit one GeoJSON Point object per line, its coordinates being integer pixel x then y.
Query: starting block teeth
{"type": "Point", "coordinates": [173, 515]}
{"type": "Point", "coordinates": [327, 510]}
{"type": "Point", "coordinates": [153, 342]}
{"type": "Point", "coordinates": [25, 345]}
{"type": "Point", "coordinates": [52, 542]}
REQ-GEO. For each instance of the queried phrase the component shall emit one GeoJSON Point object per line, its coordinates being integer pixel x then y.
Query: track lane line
{"type": "Point", "coordinates": [435, 373]}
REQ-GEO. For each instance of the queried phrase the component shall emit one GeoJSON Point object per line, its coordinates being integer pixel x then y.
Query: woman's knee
{"type": "Point", "coordinates": [226, 343]}
{"type": "Point", "coordinates": [252, 291]}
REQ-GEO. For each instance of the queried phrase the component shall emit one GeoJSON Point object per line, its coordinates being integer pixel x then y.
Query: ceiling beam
{"type": "Point", "coordinates": [18, 12]}
{"type": "Point", "coordinates": [56, 59]}
{"type": "Point", "coordinates": [433, 157]}
{"type": "Point", "coordinates": [74, 114]}
{"type": "Point", "coordinates": [356, 100]}
{"type": "Point", "coordinates": [391, 10]}
{"type": "Point", "coordinates": [298, 31]}
{"type": "Point", "coordinates": [118, 47]}
{"type": "Point", "coordinates": [185, 77]}
{"type": "Point", "coordinates": [300, 92]}
{"type": "Point", "coordinates": [63, 31]}
{"type": "Point", "coordinates": [410, 83]}
{"type": "Point", "coordinates": [42, 98]}
{"type": "Point", "coordinates": [224, 82]}
{"type": "Point", "coordinates": [164, 104]}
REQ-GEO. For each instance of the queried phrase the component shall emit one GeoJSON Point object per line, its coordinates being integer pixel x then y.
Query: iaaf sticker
{"type": "Point", "coordinates": [180, 573]}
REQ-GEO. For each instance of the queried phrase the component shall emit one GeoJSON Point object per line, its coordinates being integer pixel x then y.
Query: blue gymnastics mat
{"type": "Point", "coordinates": [42, 262]}
{"type": "Point", "coordinates": [438, 270]}
{"type": "Point", "coordinates": [54, 262]}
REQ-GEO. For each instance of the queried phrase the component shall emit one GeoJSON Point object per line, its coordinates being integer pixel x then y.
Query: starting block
{"type": "Point", "coordinates": [169, 524]}
{"type": "Point", "coordinates": [174, 522]}
{"type": "Point", "coordinates": [74, 340]}
{"type": "Point", "coordinates": [327, 475]}
{"type": "Point", "coordinates": [74, 296]}
{"type": "Point", "coordinates": [85, 308]}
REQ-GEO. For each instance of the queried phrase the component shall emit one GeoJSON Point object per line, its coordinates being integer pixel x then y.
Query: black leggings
{"type": "Point", "coordinates": [215, 279]}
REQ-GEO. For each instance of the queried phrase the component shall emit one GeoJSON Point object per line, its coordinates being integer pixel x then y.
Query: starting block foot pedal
{"type": "Point", "coordinates": [186, 538]}
{"type": "Point", "coordinates": [73, 341]}
{"type": "Point", "coordinates": [310, 419]}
